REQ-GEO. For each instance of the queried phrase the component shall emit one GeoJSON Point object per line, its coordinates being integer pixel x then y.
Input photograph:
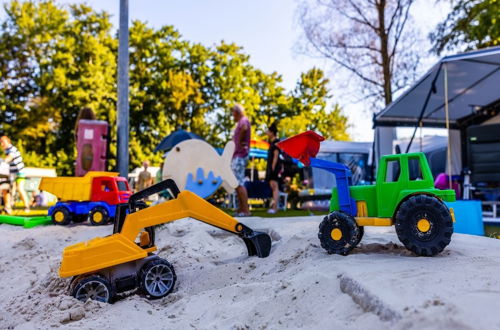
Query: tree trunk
{"type": "Point", "coordinates": [384, 52]}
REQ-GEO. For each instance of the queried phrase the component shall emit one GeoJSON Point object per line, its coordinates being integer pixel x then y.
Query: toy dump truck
{"type": "Point", "coordinates": [124, 261]}
{"type": "Point", "coordinates": [403, 195]}
{"type": "Point", "coordinates": [93, 196]}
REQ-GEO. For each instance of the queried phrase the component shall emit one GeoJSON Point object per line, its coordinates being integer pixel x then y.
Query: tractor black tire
{"type": "Point", "coordinates": [346, 229]}
{"type": "Point", "coordinates": [94, 287]}
{"type": "Point", "coordinates": [98, 216]}
{"type": "Point", "coordinates": [61, 216]}
{"type": "Point", "coordinates": [79, 218]}
{"type": "Point", "coordinates": [431, 237]}
{"type": "Point", "coordinates": [157, 278]}
{"type": "Point", "coordinates": [361, 234]}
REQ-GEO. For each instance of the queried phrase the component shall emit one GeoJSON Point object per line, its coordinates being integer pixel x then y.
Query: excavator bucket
{"type": "Point", "coordinates": [258, 244]}
{"type": "Point", "coordinates": [302, 146]}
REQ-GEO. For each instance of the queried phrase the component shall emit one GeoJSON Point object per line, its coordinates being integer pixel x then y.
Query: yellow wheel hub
{"type": "Point", "coordinates": [97, 217]}
{"type": "Point", "coordinates": [59, 216]}
{"type": "Point", "coordinates": [423, 225]}
{"type": "Point", "coordinates": [336, 234]}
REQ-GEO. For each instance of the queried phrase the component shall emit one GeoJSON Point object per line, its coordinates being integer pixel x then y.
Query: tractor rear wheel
{"type": "Point", "coordinates": [94, 287]}
{"type": "Point", "coordinates": [339, 233]}
{"type": "Point", "coordinates": [61, 216]}
{"type": "Point", "coordinates": [157, 278]}
{"type": "Point", "coordinates": [98, 216]}
{"type": "Point", "coordinates": [424, 225]}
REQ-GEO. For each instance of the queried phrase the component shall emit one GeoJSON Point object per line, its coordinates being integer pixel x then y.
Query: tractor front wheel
{"type": "Point", "coordinates": [339, 233]}
{"type": "Point", "coordinates": [424, 225]}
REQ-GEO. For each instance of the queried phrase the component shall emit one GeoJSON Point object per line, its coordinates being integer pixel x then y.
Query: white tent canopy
{"type": "Point", "coordinates": [473, 83]}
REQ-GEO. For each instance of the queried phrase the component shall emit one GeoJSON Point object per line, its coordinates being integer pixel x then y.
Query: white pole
{"type": "Point", "coordinates": [446, 110]}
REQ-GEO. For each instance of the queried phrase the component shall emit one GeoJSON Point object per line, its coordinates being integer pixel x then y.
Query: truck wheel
{"type": "Point", "coordinates": [157, 278]}
{"type": "Point", "coordinates": [93, 287]}
{"type": "Point", "coordinates": [339, 233]}
{"type": "Point", "coordinates": [79, 218]}
{"type": "Point", "coordinates": [424, 225]}
{"type": "Point", "coordinates": [61, 216]}
{"type": "Point", "coordinates": [98, 216]}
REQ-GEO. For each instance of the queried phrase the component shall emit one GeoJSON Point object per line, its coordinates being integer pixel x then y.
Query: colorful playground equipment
{"type": "Point", "coordinates": [93, 196]}
{"type": "Point", "coordinates": [125, 260]}
{"type": "Point", "coordinates": [400, 197]}
{"type": "Point", "coordinates": [196, 166]}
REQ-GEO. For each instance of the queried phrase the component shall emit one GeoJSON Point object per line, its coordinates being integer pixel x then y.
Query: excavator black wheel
{"type": "Point", "coordinates": [424, 225]}
{"type": "Point", "coordinates": [61, 216]}
{"type": "Point", "coordinates": [157, 278]}
{"type": "Point", "coordinates": [339, 233]}
{"type": "Point", "coordinates": [94, 287]}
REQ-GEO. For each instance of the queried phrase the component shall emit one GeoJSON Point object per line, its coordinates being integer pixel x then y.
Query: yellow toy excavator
{"type": "Point", "coordinates": [124, 261]}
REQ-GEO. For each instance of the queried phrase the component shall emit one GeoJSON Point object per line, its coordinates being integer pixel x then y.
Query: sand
{"type": "Point", "coordinates": [379, 286]}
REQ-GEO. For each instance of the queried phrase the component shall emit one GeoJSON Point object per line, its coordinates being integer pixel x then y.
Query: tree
{"type": "Point", "coordinates": [54, 62]}
{"type": "Point", "coordinates": [56, 59]}
{"type": "Point", "coordinates": [472, 24]}
{"type": "Point", "coordinates": [310, 99]}
{"type": "Point", "coordinates": [367, 38]}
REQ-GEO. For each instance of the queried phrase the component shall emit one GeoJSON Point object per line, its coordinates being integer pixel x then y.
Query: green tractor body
{"type": "Point", "coordinates": [398, 177]}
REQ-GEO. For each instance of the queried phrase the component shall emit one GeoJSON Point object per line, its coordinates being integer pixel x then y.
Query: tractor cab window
{"type": "Point", "coordinates": [393, 171]}
{"type": "Point", "coordinates": [414, 169]}
{"type": "Point", "coordinates": [106, 186]}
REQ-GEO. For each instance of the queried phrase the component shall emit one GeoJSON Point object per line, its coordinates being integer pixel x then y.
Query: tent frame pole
{"type": "Point", "coordinates": [427, 98]}
{"type": "Point", "coordinates": [447, 114]}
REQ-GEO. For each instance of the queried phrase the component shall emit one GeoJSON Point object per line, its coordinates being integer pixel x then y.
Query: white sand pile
{"type": "Point", "coordinates": [379, 285]}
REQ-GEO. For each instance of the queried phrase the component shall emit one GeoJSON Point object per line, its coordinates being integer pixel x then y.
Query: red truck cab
{"type": "Point", "coordinates": [112, 190]}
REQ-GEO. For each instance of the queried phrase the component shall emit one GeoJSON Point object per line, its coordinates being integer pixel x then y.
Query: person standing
{"type": "Point", "coordinates": [145, 179]}
{"type": "Point", "coordinates": [16, 166]}
{"type": "Point", "coordinates": [274, 166]}
{"type": "Point", "coordinates": [241, 138]}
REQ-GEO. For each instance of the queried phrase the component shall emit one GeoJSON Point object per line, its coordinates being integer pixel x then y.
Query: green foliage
{"type": "Point", "coordinates": [472, 24]}
{"type": "Point", "coordinates": [310, 101]}
{"type": "Point", "coordinates": [55, 60]}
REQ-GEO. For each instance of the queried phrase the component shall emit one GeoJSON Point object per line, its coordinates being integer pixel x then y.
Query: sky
{"type": "Point", "coordinates": [268, 31]}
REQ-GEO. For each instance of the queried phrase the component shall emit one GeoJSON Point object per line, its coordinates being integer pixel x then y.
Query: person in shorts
{"type": "Point", "coordinates": [241, 138]}
{"type": "Point", "coordinates": [16, 167]}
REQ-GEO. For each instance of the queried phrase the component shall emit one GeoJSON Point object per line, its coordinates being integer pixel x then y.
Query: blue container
{"type": "Point", "coordinates": [469, 217]}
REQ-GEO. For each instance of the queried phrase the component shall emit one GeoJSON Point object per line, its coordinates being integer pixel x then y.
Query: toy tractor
{"type": "Point", "coordinates": [403, 195]}
{"type": "Point", "coordinates": [124, 261]}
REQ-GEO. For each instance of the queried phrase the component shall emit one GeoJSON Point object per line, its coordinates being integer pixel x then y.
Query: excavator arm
{"type": "Point", "coordinates": [188, 205]}
{"type": "Point", "coordinates": [120, 247]}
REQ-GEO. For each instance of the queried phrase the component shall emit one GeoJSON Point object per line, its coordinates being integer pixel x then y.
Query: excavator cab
{"type": "Point", "coordinates": [125, 260]}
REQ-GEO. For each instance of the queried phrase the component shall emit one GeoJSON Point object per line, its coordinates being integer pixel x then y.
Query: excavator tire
{"type": "Point", "coordinates": [424, 225]}
{"type": "Point", "coordinates": [339, 233]}
{"type": "Point", "coordinates": [157, 278]}
{"type": "Point", "coordinates": [94, 287]}
{"type": "Point", "coordinates": [61, 216]}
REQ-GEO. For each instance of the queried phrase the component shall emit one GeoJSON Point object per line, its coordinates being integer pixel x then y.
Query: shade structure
{"type": "Point", "coordinates": [473, 81]}
{"type": "Point", "coordinates": [174, 138]}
